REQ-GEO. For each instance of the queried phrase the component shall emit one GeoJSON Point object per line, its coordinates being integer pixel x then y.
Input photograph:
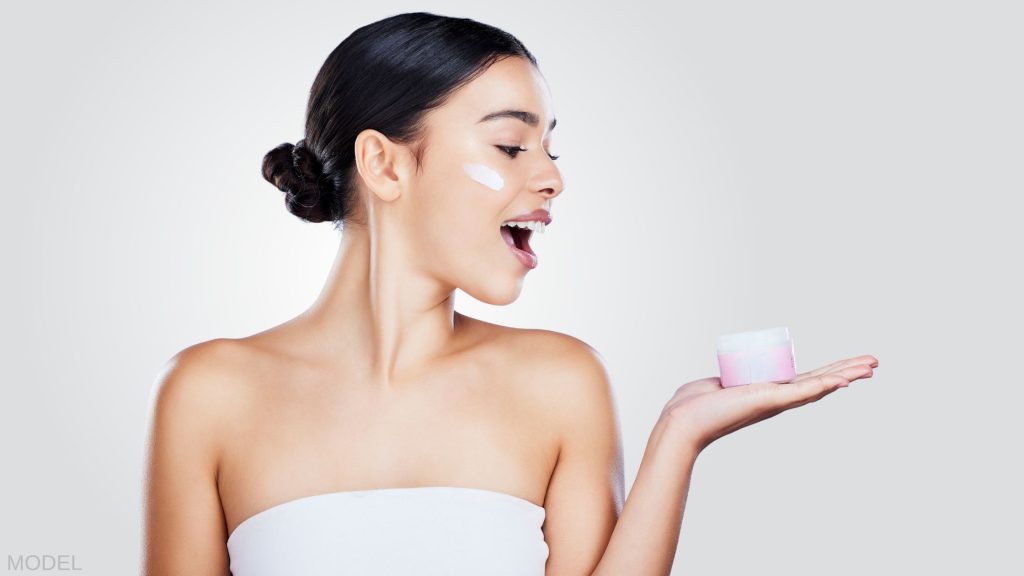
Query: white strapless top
{"type": "Point", "coordinates": [427, 531]}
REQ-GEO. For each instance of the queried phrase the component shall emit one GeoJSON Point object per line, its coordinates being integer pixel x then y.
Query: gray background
{"type": "Point", "coordinates": [851, 170]}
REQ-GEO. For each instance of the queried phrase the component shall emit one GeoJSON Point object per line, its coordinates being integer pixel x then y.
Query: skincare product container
{"type": "Point", "coordinates": [756, 356]}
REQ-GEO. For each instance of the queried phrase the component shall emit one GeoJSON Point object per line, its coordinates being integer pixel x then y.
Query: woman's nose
{"type": "Point", "coordinates": [549, 183]}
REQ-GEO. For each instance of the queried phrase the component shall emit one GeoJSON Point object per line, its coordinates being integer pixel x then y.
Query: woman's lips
{"type": "Point", "coordinates": [525, 255]}
{"type": "Point", "coordinates": [539, 214]}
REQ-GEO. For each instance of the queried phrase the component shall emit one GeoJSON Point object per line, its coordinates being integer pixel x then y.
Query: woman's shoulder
{"type": "Point", "coordinates": [558, 362]}
{"type": "Point", "coordinates": [202, 383]}
{"type": "Point", "coordinates": [192, 406]}
{"type": "Point", "coordinates": [204, 365]}
{"type": "Point", "coordinates": [569, 384]}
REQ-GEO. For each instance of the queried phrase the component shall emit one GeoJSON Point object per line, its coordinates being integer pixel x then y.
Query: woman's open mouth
{"type": "Point", "coordinates": [517, 236]}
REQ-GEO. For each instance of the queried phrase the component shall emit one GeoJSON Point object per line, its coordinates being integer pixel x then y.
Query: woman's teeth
{"type": "Point", "coordinates": [517, 236]}
{"type": "Point", "coordinates": [534, 225]}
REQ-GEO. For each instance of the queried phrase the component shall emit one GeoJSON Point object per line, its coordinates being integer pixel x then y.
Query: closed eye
{"type": "Point", "coordinates": [512, 151]}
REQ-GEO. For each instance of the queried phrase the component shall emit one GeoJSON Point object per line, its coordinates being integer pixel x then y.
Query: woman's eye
{"type": "Point", "coordinates": [512, 151]}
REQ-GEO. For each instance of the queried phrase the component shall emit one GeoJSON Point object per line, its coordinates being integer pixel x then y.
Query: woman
{"type": "Point", "coordinates": [381, 431]}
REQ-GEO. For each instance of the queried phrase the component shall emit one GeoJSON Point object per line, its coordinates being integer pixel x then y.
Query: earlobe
{"type": "Point", "coordinates": [376, 157]}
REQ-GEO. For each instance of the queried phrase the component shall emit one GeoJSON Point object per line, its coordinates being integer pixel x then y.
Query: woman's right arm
{"type": "Point", "coordinates": [184, 526]}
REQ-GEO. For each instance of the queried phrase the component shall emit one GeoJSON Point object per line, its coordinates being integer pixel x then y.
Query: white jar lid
{"type": "Point", "coordinates": [753, 339]}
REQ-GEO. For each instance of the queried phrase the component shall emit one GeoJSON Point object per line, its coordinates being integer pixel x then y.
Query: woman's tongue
{"type": "Point", "coordinates": [519, 239]}
{"type": "Point", "coordinates": [524, 241]}
{"type": "Point", "coordinates": [506, 235]}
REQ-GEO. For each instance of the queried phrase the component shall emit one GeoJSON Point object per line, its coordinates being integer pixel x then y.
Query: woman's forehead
{"type": "Point", "coordinates": [510, 90]}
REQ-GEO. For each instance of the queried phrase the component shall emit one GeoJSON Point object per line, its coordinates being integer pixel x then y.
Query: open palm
{"type": "Point", "coordinates": [704, 410]}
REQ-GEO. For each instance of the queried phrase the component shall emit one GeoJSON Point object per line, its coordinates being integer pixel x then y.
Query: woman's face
{"type": "Point", "coordinates": [473, 178]}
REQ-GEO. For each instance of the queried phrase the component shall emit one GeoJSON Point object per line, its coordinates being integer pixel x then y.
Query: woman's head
{"type": "Point", "coordinates": [395, 133]}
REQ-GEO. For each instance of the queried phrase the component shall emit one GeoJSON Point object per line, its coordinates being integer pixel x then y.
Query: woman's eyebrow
{"type": "Point", "coordinates": [528, 117]}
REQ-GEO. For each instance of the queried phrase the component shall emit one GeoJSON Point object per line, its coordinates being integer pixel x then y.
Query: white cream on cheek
{"type": "Point", "coordinates": [484, 175]}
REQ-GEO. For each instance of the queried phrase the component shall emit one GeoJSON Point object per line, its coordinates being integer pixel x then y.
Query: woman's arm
{"type": "Point", "coordinates": [184, 529]}
{"type": "Point", "coordinates": [646, 535]}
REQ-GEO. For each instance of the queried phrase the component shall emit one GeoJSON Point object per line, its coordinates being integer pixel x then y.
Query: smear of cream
{"type": "Point", "coordinates": [484, 175]}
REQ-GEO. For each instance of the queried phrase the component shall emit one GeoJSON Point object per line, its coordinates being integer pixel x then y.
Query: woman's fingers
{"type": "Point", "coordinates": [811, 388]}
{"type": "Point", "coordinates": [789, 395]}
{"type": "Point", "coordinates": [850, 371]}
{"type": "Point", "coordinates": [707, 411]}
{"type": "Point", "coordinates": [866, 359]}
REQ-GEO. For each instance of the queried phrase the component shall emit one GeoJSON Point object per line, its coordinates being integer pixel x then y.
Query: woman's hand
{"type": "Point", "coordinates": [704, 411]}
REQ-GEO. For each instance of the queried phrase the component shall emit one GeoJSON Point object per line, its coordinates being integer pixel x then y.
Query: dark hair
{"type": "Point", "coordinates": [385, 76]}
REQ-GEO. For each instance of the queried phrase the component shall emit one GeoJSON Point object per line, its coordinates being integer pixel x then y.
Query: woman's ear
{"type": "Point", "coordinates": [382, 163]}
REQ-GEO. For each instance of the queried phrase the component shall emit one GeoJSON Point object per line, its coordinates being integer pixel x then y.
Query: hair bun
{"type": "Point", "coordinates": [295, 170]}
{"type": "Point", "coordinates": [305, 162]}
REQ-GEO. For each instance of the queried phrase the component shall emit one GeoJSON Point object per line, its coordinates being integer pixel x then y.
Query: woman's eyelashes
{"type": "Point", "coordinates": [512, 151]}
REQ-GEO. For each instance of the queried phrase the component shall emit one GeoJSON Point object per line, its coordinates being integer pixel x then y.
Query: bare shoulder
{"type": "Point", "coordinates": [578, 381]}
{"type": "Point", "coordinates": [200, 378]}
{"type": "Point", "coordinates": [569, 382]}
{"type": "Point", "coordinates": [567, 364]}
{"type": "Point", "coordinates": [566, 373]}
{"type": "Point", "coordinates": [197, 393]}
{"type": "Point", "coordinates": [586, 491]}
{"type": "Point", "coordinates": [190, 403]}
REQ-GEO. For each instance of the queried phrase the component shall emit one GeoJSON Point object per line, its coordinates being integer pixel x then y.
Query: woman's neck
{"type": "Point", "coordinates": [380, 313]}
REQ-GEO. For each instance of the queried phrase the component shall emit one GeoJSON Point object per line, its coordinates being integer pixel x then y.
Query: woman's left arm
{"type": "Point", "coordinates": [644, 537]}
{"type": "Point", "coordinates": [585, 493]}
{"type": "Point", "coordinates": [588, 529]}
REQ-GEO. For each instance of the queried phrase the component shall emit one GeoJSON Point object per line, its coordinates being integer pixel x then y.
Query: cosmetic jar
{"type": "Point", "coordinates": [756, 356]}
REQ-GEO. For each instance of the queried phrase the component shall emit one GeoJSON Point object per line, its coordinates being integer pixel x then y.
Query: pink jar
{"type": "Point", "coordinates": [756, 356]}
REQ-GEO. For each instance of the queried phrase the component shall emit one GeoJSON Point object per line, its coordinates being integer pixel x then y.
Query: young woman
{"type": "Point", "coordinates": [381, 431]}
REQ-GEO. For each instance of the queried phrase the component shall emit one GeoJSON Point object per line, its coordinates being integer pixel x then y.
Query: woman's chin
{"type": "Point", "coordinates": [497, 294]}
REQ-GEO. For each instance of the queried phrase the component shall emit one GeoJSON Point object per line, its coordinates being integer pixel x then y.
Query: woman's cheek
{"type": "Point", "coordinates": [485, 175]}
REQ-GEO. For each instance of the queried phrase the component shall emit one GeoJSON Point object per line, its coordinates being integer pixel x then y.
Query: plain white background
{"type": "Point", "coordinates": [851, 170]}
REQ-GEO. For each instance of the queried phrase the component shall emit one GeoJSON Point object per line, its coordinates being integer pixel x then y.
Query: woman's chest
{"type": "Point", "coordinates": [470, 429]}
